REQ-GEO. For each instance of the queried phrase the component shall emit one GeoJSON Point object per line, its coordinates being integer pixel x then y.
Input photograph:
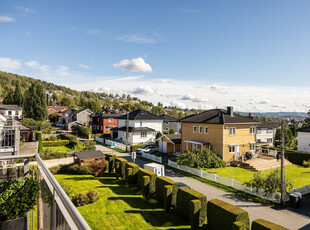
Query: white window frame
{"type": "Point", "coordinates": [110, 127]}
{"type": "Point", "coordinates": [110, 119]}
{"type": "Point", "coordinates": [206, 128]}
{"type": "Point", "coordinates": [141, 123]}
{"type": "Point", "coordinates": [234, 133]}
{"type": "Point", "coordinates": [194, 129]}
{"type": "Point", "coordinates": [199, 129]}
{"type": "Point", "coordinates": [143, 134]}
{"type": "Point", "coordinates": [254, 146]}
{"type": "Point", "coordinates": [252, 130]}
{"type": "Point", "coordinates": [235, 148]}
{"type": "Point", "coordinates": [269, 140]}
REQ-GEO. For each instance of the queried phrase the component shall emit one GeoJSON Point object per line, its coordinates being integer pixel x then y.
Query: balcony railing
{"type": "Point", "coordinates": [60, 213]}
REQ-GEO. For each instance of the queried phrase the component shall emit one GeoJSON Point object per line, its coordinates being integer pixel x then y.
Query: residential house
{"type": "Point", "coordinates": [142, 127]}
{"type": "Point", "coordinates": [80, 117]}
{"type": "Point", "coordinates": [303, 137]}
{"type": "Point", "coordinates": [229, 134]}
{"type": "Point", "coordinates": [11, 111]}
{"type": "Point", "coordinates": [265, 133]}
{"type": "Point", "coordinates": [103, 122]}
{"type": "Point", "coordinates": [170, 143]}
{"type": "Point", "coordinates": [170, 123]}
{"type": "Point", "coordinates": [59, 110]}
{"type": "Point", "coordinates": [9, 136]}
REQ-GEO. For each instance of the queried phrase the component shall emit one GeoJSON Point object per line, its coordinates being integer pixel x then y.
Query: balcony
{"type": "Point", "coordinates": [59, 213]}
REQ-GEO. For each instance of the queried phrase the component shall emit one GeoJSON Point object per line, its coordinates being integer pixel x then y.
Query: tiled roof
{"type": "Point", "coordinates": [305, 129]}
{"type": "Point", "coordinates": [108, 115]}
{"type": "Point", "coordinates": [218, 116]}
{"type": "Point", "coordinates": [85, 155]}
{"type": "Point", "coordinates": [175, 138]}
{"type": "Point", "coordinates": [10, 107]}
{"type": "Point", "coordinates": [57, 108]}
{"type": "Point", "coordinates": [168, 118]}
{"type": "Point", "coordinates": [141, 115]}
{"type": "Point", "coordinates": [264, 124]}
{"type": "Point", "coordinates": [133, 129]}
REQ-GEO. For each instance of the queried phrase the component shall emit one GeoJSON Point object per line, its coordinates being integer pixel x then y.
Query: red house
{"type": "Point", "coordinates": [102, 123]}
{"type": "Point", "coordinates": [59, 110]}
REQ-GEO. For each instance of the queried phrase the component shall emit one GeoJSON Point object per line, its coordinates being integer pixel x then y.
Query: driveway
{"type": "Point", "coordinates": [287, 217]}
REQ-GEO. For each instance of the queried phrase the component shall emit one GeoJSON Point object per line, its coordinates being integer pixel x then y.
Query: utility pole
{"type": "Point", "coordinates": [283, 190]}
{"type": "Point", "coordinates": [127, 121]}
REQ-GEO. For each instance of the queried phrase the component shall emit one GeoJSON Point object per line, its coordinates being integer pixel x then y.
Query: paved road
{"type": "Point", "coordinates": [288, 217]}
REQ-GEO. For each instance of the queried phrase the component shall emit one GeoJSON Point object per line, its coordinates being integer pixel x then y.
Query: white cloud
{"type": "Point", "coordinates": [102, 90]}
{"type": "Point", "coordinates": [6, 19]}
{"type": "Point", "coordinates": [178, 104]}
{"type": "Point", "coordinates": [134, 65]}
{"type": "Point", "coordinates": [32, 64]}
{"type": "Point", "coordinates": [9, 64]}
{"type": "Point", "coordinates": [159, 81]}
{"type": "Point", "coordinates": [144, 90]}
{"type": "Point", "coordinates": [192, 98]}
{"type": "Point", "coordinates": [137, 38]}
{"type": "Point", "coordinates": [219, 89]}
{"type": "Point", "coordinates": [62, 70]}
{"type": "Point", "coordinates": [84, 66]}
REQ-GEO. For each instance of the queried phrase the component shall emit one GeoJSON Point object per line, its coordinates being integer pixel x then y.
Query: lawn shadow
{"type": "Point", "coordinates": [80, 178]}
{"type": "Point", "coordinates": [162, 219]}
{"type": "Point", "coordinates": [121, 187]}
{"type": "Point", "coordinates": [304, 209]}
{"type": "Point", "coordinates": [138, 202]}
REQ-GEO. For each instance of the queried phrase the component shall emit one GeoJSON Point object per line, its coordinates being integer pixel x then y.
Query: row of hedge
{"type": "Point", "coordinates": [187, 202]}
{"type": "Point", "coordinates": [55, 143]}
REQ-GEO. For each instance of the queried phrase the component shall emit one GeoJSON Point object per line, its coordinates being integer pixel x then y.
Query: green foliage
{"type": "Point", "coordinates": [306, 164]}
{"type": "Point", "coordinates": [8, 96]}
{"type": "Point", "coordinates": [161, 182]}
{"type": "Point", "coordinates": [167, 197]}
{"type": "Point", "coordinates": [297, 157]}
{"type": "Point", "coordinates": [53, 118]}
{"type": "Point", "coordinates": [67, 188]}
{"type": "Point", "coordinates": [261, 224]}
{"type": "Point", "coordinates": [198, 159]}
{"type": "Point", "coordinates": [81, 131]}
{"type": "Point", "coordinates": [89, 146]}
{"type": "Point", "coordinates": [67, 101]}
{"type": "Point", "coordinates": [18, 95]}
{"type": "Point", "coordinates": [135, 147]}
{"type": "Point", "coordinates": [271, 183]}
{"type": "Point", "coordinates": [222, 215]}
{"type": "Point", "coordinates": [150, 188]}
{"type": "Point", "coordinates": [158, 135]}
{"type": "Point", "coordinates": [38, 137]}
{"type": "Point", "coordinates": [184, 198]}
{"type": "Point", "coordinates": [55, 143]}
{"type": "Point", "coordinates": [98, 167]}
{"type": "Point", "coordinates": [111, 159]}
{"type": "Point", "coordinates": [93, 196]}
{"type": "Point", "coordinates": [17, 197]}
{"type": "Point", "coordinates": [84, 169]}
{"type": "Point", "coordinates": [171, 131]}
{"type": "Point", "coordinates": [120, 169]}
{"type": "Point", "coordinates": [289, 137]}
{"type": "Point", "coordinates": [132, 177]}
{"type": "Point", "coordinates": [238, 225]}
{"type": "Point", "coordinates": [94, 106]}
{"type": "Point", "coordinates": [80, 199]}
{"type": "Point", "coordinates": [66, 136]}
{"type": "Point", "coordinates": [194, 210]}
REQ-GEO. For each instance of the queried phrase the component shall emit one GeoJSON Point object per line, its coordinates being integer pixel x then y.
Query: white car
{"type": "Point", "coordinates": [147, 149]}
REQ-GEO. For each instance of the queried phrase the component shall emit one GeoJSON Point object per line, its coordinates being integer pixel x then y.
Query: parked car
{"type": "Point", "coordinates": [150, 149]}
{"type": "Point", "coordinates": [146, 148]}
{"type": "Point", "coordinates": [180, 184]}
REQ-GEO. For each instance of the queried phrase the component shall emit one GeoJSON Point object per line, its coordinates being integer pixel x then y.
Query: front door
{"type": "Point", "coordinates": [164, 147]}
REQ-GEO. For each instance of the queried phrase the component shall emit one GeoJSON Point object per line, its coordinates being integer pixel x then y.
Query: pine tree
{"type": "Point", "coordinates": [8, 96]}
{"type": "Point", "coordinates": [18, 96]}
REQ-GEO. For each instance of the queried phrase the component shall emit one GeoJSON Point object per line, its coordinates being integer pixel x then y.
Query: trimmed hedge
{"type": "Point", "coordinates": [238, 225]}
{"type": "Point", "coordinates": [132, 177]}
{"type": "Point", "coordinates": [160, 194]}
{"type": "Point", "coordinates": [135, 147]}
{"type": "Point", "coordinates": [167, 194]}
{"type": "Point", "coordinates": [55, 143]}
{"type": "Point", "coordinates": [222, 215]}
{"type": "Point", "coordinates": [150, 188]}
{"type": "Point", "coordinates": [184, 198]}
{"type": "Point", "coordinates": [120, 167]}
{"type": "Point", "coordinates": [297, 157]}
{"type": "Point", "coordinates": [261, 224]}
{"type": "Point", "coordinates": [194, 208]}
{"type": "Point", "coordinates": [111, 159]}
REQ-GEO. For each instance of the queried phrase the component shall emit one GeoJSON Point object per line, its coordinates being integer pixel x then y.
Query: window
{"type": "Point", "coordinates": [140, 123]}
{"type": "Point", "coordinates": [252, 130]}
{"type": "Point", "coordinates": [143, 134]}
{"type": "Point", "coordinates": [194, 129]}
{"type": "Point", "coordinates": [269, 140]}
{"type": "Point", "coordinates": [167, 129]}
{"type": "Point", "coordinates": [206, 129]}
{"type": "Point", "coordinates": [110, 127]}
{"type": "Point", "coordinates": [269, 131]}
{"type": "Point", "coordinates": [10, 112]}
{"type": "Point", "coordinates": [259, 131]}
{"type": "Point", "coordinates": [200, 129]}
{"type": "Point", "coordinates": [16, 112]}
{"type": "Point", "coordinates": [232, 148]}
{"type": "Point", "coordinates": [252, 146]}
{"type": "Point", "coordinates": [101, 128]}
{"type": "Point", "coordinates": [167, 122]}
{"type": "Point", "coordinates": [110, 120]}
{"type": "Point", "coordinates": [232, 131]}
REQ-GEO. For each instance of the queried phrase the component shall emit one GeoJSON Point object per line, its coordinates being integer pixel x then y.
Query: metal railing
{"type": "Point", "coordinates": [62, 214]}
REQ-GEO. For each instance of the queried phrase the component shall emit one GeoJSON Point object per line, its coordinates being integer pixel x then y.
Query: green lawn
{"type": "Point", "coordinates": [299, 175]}
{"type": "Point", "coordinates": [56, 149]}
{"type": "Point", "coordinates": [120, 207]}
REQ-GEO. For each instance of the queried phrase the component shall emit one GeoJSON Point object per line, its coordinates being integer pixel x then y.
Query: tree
{"type": "Point", "coordinates": [53, 117]}
{"type": "Point", "coordinates": [18, 95]}
{"type": "Point", "coordinates": [94, 106]}
{"type": "Point", "coordinates": [158, 135]}
{"type": "Point", "coordinates": [171, 131]}
{"type": "Point", "coordinates": [67, 101]}
{"type": "Point", "coordinates": [35, 103]}
{"type": "Point", "coordinates": [8, 96]}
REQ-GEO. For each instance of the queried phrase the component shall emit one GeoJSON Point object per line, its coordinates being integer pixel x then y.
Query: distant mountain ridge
{"type": "Point", "coordinates": [279, 115]}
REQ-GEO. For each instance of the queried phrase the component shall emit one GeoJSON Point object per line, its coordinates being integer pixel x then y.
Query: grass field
{"type": "Point", "coordinates": [299, 175]}
{"type": "Point", "coordinates": [58, 148]}
{"type": "Point", "coordinates": [120, 207]}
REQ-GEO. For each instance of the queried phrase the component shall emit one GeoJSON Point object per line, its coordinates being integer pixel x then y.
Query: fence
{"type": "Point", "coordinates": [228, 182]}
{"type": "Point", "coordinates": [109, 142]}
{"type": "Point", "coordinates": [152, 157]}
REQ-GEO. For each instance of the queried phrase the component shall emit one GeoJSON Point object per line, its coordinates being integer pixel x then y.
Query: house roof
{"type": "Point", "coordinates": [133, 129]}
{"type": "Point", "coordinates": [108, 115]}
{"type": "Point", "coordinates": [168, 118]}
{"type": "Point", "coordinates": [305, 129]}
{"type": "Point", "coordinates": [86, 155]}
{"type": "Point", "coordinates": [218, 116]}
{"type": "Point", "coordinates": [175, 138]}
{"type": "Point", "coordinates": [264, 124]}
{"type": "Point", "coordinates": [141, 114]}
{"type": "Point", "coordinates": [80, 110]}
{"type": "Point", "coordinates": [11, 107]}
{"type": "Point", "coordinates": [57, 108]}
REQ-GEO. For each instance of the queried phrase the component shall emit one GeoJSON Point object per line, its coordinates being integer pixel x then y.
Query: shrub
{"type": "Point", "coordinates": [89, 146]}
{"type": "Point", "coordinates": [198, 159]}
{"type": "Point", "coordinates": [92, 196]}
{"type": "Point", "coordinates": [135, 147]}
{"type": "Point", "coordinates": [98, 167]}
{"type": "Point", "coordinates": [184, 196]}
{"type": "Point", "coordinates": [167, 196]}
{"type": "Point", "coordinates": [121, 169]}
{"type": "Point", "coordinates": [53, 138]}
{"type": "Point", "coordinates": [38, 137]}
{"type": "Point", "coordinates": [150, 188]}
{"type": "Point", "coordinates": [55, 143]}
{"type": "Point", "coordinates": [17, 197]}
{"type": "Point", "coordinates": [55, 169]}
{"type": "Point", "coordinates": [111, 159]}
{"type": "Point", "coordinates": [297, 157]}
{"type": "Point", "coordinates": [238, 225]}
{"type": "Point", "coordinates": [194, 209]}
{"type": "Point", "coordinates": [171, 131]}
{"type": "Point", "coordinates": [132, 179]}
{"type": "Point", "coordinates": [80, 199]}
{"type": "Point", "coordinates": [222, 215]}
{"type": "Point", "coordinates": [261, 224]}
{"type": "Point", "coordinates": [161, 182]}
{"type": "Point", "coordinates": [306, 164]}
{"type": "Point", "coordinates": [81, 131]}
{"type": "Point", "coordinates": [71, 138]}
{"type": "Point", "coordinates": [85, 169]}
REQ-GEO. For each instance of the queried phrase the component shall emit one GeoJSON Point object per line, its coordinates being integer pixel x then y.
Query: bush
{"type": "Point", "coordinates": [238, 225]}
{"type": "Point", "coordinates": [80, 199]}
{"type": "Point", "coordinates": [81, 131]}
{"type": "Point", "coordinates": [53, 138]}
{"type": "Point", "coordinates": [111, 159]}
{"type": "Point", "coordinates": [161, 182]}
{"type": "Point", "coordinates": [135, 147]}
{"type": "Point", "coordinates": [149, 188]}
{"type": "Point", "coordinates": [132, 178]}
{"type": "Point", "coordinates": [98, 167]}
{"type": "Point", "coordinates": [92, 196]}
{"type": "Point", "coordinates": [184, 198]}
{"type": "Point", "coordinates": [89, 146]}
{"type": "Point", "coordinates": [194, 210]}
{"type": "Point", "coordinates": [198, 159]}
{"type": "Point", "coordinates": [297, 157]}
{"type": "Point", "coordinates": [55, 143]}
{"type": "Point", "coordinates": [17, 197]}
{"type": "Point", "coordinates": [306, 164]}
{"type": "Point", "coordinates": [261, 224]}
{"type": "Point", "coordinates": [55, 169]}
{"type": "Point", "coordinates": [38, 137]}
{"type": "Point", "coordinates": [120, 170]}
{"type": "Point", "coordinates": [222, 215]}
{"type": "Point", "coordinates": [71, 138]}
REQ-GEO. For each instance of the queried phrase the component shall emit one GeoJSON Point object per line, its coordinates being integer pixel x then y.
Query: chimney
{"type": "Point", "coordinates": [230, 111]}
{"type": "Point", "coordinates": [250, 115]}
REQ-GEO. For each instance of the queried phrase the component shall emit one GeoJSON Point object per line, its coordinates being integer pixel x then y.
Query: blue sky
{"type": "Point", "coordinates": [201, 54]}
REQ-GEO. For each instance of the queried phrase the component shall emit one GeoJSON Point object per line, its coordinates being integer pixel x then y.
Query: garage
{"type": "Point", "coordinates": [170, 143]}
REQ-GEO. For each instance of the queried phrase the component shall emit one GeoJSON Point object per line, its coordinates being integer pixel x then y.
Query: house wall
{"type": "Point", "coordinates": [135, 138]}
{"type": "Point", "coordinates": [14, 113]}
{"type": "Point", "coordinates": [171, 125]}
{"type": "Point", "coordinates": [303, 141]}
{"type": "Point", "coordinates": [153, 124]}
{"type": "Point", "coordinates": [84, 117]}
{"type": "Point", "coordinates": [263, 134]}
{"type": "Point", "coordinates": [107, 124]}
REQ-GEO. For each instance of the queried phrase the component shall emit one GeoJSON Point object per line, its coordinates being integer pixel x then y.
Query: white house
{"type": "Point", "coordinates": [142, 127]}
{"type": "Point", "coordinates": [303, 137]}
{"type": "Point", "coordinates": [12, 111]}
{"type": "Point", "coordinates": [265, 133]}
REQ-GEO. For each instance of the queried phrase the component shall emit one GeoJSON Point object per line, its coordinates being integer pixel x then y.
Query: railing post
{"type": "Point", "coordinates": [54, 210]}
{"type": "Point", "coordinates": [232, 182]}
{"type": "Point", "coordinates": [200, 172]}
{"type": "Point", "coordinates": [40, 203]}
{"type": "Point", "coordinates": [215, 177]}
{"type": "Point", "coordinates": [26, 167]}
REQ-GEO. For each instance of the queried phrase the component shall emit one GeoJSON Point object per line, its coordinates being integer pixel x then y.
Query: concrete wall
{"type": "Point", "coordinates": [303, 141]}
{"type": "Point", "coordinates": [84, 117]}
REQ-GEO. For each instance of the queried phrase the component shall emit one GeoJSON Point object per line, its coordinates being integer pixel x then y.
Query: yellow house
{"type": "Point", "coordinates": [230, 135]}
